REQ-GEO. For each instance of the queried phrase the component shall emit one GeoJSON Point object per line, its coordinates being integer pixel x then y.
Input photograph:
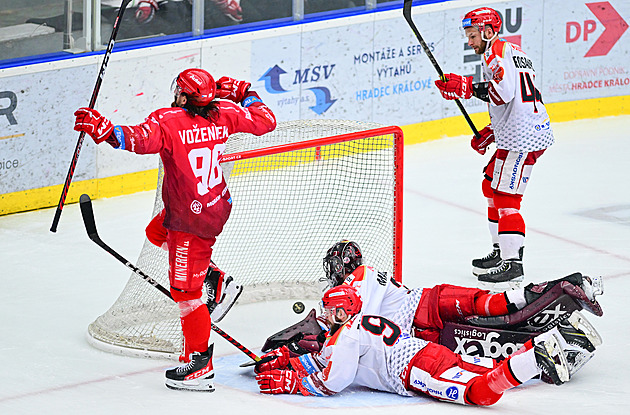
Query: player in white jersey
{"type": "Point", "coordinates": [428, 308]}
{"type": "Point", "coordinates": [423, 312]}
{"type": "Point", "coordinates": [376, 352]}
{"type": "Point", "coordinates": [521, 129]}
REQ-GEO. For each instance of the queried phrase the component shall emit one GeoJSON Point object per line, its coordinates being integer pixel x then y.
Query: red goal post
{"type": "Point", "coordinates": [398, 146]}
{"type": "Point", "coordinates": [296, 191]}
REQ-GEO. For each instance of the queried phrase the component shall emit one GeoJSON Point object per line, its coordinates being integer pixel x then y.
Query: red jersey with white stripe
{"type": "Point", "coordinates": [194, 191]}
{"type": "Point", "coordinates": [519, 118]}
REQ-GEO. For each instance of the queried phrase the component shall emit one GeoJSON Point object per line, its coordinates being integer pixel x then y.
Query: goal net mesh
{"type": "Point", "coordinates": [307, 185]}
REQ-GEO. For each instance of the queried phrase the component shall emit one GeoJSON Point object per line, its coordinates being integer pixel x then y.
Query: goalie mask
{"type": "Point", "coordinates": [342, 297]}
{"type": "Point", "coordinates": [198, 85]}
{"type": "Point", "coordinates": [341, 260]}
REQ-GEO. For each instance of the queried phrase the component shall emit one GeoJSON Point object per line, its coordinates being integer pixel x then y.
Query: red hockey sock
{"type": "Point", "coordinates": [489, 388]}
{"type": "Point", "coordinates": [493, 213]}
{"type": "Point", "coordinates": [491, 304]}
{"type": "Point", "coordinates": [478, 393]}
{"type": "Point", "coordinates": [196, 329]}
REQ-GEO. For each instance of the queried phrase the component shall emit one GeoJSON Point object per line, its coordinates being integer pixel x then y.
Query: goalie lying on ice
{"type": "Point", "coordinates": [379, 353]}
{"type": "Point", "coordinates": [438, 315]}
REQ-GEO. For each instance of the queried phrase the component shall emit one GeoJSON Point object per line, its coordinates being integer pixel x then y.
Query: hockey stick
{"type": "Point", "coordinates": [90, 226]}
{"type": "Point", "coordinates": [97, 87]}
{"type": "Point", "coordinates": [425, 47]}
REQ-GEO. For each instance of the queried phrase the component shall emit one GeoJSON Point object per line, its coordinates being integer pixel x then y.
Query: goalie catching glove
{"type": "Point", "coordinates": [486, 137]}
{"type": "Point", "coordinates": [453, 86]}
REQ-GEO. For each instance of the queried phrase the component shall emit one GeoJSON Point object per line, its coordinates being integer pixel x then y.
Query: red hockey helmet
{"type": "Point", "coordinates": [198, 85]}
{"type": "Point", "coordinates": [343, 296]}
{"type": "Point", "coordinates": [481, 17]}
{"type": "Point", "coordinates": [340, 260]}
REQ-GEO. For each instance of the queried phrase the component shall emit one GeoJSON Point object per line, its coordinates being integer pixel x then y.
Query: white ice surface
{"type": "Point", "coordinates": [577, 211]}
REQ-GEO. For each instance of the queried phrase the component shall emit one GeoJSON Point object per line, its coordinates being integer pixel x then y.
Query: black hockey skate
{"type": "Point", "coordinates": [484, 265]}
{"type": "Point", "coordinates": [551, 360]}
{"type": "Point", "coordinates": [197, 375]}
{"type": "Point", "coordinates": [222, 292]}
{"type": "Point", "coordinates": [507, 275]}
{"type": "Point", "coordinates": [577, 345]}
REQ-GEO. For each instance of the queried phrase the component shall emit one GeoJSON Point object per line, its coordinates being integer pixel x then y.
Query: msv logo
{"type": "Point", "coordinates": [322, 96]}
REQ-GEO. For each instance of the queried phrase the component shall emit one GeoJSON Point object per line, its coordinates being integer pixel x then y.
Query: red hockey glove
{"type": "Point", "coordinates": [481, 143]}
{"type": "Point", "coordinates": [281, 360]}
{"type": "Point", "coordinates": [230, 8]}
{"type": "Point", "coordinates": [278, 381]}
{"type": "Point", "coordinates": [93, 123]}
{"type": "Point", "coordinates": [230, 88]}
{"type": "Point", "coordinates": [146, 11]}
{"type": "Point", "coordinates": [455, 86]}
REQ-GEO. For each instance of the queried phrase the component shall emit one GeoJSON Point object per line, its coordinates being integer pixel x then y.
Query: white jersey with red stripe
{"type": "Point", "coordinates": [518, 115]}
{"type": "Point", "coordinates": [368, 351]}
{"type": "Point", "coordinates": [381, 295]}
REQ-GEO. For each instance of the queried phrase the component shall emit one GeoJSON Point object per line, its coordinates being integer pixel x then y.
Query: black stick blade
{"type": "Point", "coordinates": [88, 215]}
{"type": "Point", "coordinates": [263, 360]}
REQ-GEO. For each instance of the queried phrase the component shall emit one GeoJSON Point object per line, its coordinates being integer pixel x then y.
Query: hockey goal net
{"type": "Point", "coordinates": [296, 191]}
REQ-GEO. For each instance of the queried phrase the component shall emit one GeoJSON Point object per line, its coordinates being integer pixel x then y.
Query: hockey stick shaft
{"type": "Point", "coordinates": [407, 13]}
{"type": "Point", "coordinates": [90, 226]}
{"type": "Point", "coordinates": [95, 91]}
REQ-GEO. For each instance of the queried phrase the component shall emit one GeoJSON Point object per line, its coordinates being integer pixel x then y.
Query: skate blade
{"type": "Point", "coordinates": [203, 385]}
{"type": "Point", "coordinates": [579, 322]}
{"type": "Point", "coordinates": [552, 345]}
{"type": "Point", "coordinates": [232, 292]}
{"type": "Point", "coordinates": [480, 271]}
{"type": "Point", "coordinates": [497, 287]}
{"type": "Point", "coordinates": [579, 360]}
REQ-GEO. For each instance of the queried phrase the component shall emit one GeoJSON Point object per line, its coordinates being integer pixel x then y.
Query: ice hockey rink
{"type": "Point", "coordinates": [577, 211]}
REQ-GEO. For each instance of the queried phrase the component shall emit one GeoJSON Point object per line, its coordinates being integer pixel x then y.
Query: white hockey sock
{"type": "Point", "coordinates": [516, 297]}
{"type": "Point", "coordinates": [523, 366]}
{"type": "Point", "coordinates": [509, 244]}
{"type": "Point", "coordinates": [494, 231]}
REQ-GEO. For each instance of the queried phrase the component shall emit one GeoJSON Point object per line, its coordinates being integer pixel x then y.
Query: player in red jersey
{"type": "Point", "coordinates": [522, 131]}
{"type": "Point", "coordinates": [190, 137]}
